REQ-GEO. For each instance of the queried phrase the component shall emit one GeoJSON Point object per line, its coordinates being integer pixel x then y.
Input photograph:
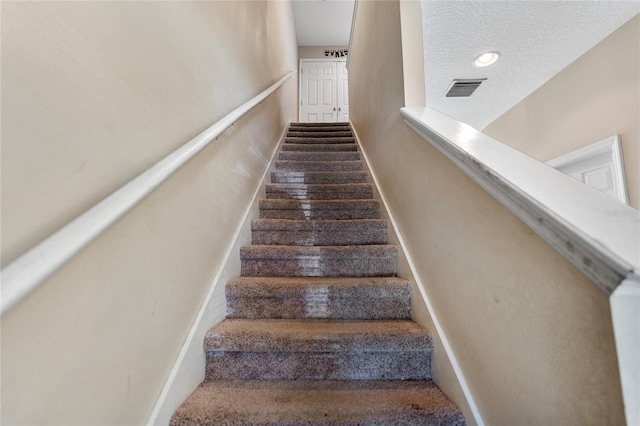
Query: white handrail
{"type": "Point", "coordinates": [27, 272]}
{"type": "Point", "coordinates": [592, 230]}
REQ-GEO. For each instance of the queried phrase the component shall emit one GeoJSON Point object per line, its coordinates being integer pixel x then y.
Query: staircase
{"type": "Point", "coordinates": [319, 327]}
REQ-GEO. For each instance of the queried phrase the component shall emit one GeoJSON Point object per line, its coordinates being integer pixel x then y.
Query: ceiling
{"type": "Point", "coordinates": [323, 22]}
{"type": "Point", "coordinates": [537, 39]}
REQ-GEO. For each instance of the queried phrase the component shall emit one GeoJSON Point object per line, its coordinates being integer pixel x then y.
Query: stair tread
{"type": "Point", "coordinates": [320, 126]}
{"type": "Point", "coordinates": [314, 252]}
{"type": "Point", "coordinates": [314, 232]}
{"type": "Point", "coordinates": [357, 190]}
{"type": "Point", "coordinates": [308, 225]}
{"type": "Point", "coordinates": [320, 147]}
{"type": "Point", "coordinates": [269, 402]}
{"type": "Point", "coordinates": [348, 173]}
{"type": "Point", "coordinates": [320, 186]}
{"type": "Point", "coordinates": [317, 204]}
{"type": "Point", "coordinates": [320, 140]}
{"type": "Point", "coordinates": [297, 286]}
{"type": "Point", "coordinates": [335, 123]}
{"type": "Point", "coordinates": [320, 173]}
{"type": "Point", "coordinates": [319, 134]}
{"type": "Point", "coordinates": [317, 161]}
{"type": "Point", "coordinates": [314, 129]}
{"type": "Point", "coordinates": [374, 298]}
{"type": "Point", "coordinates": [319, 209]}
{"type": "Point", "coordinates": [319, 177]}
{"type": "Point", "coordinates": [297, 165]}
{"type": "Point", "coordinates": [317, 335]}
{"type": "Point", "coordinates": [319, 156]}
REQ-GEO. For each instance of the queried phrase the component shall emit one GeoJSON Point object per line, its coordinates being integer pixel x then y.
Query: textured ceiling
{"type": "Point", "coordinates": [323, 23]}
{"type": "Point", "coordinates": [537, 39]}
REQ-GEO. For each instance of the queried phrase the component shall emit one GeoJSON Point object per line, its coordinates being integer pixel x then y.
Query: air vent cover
{"type": "Point", "coordinates": [463, 88]}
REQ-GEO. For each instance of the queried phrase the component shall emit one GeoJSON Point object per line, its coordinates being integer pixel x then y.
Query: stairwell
{"type": "Point", "coordinates": [318, 327]}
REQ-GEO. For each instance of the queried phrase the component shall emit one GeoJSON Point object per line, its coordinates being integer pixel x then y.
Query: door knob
{"type": "Point", "coordinates": [339, 109]}
{"type": "Point", "coordinates": [334, 108]}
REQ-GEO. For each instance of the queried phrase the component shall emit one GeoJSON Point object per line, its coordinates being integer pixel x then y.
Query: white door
{"type": "Point", "coordinates": [343, 91]}
{"type": "Point", "coordinates": [318, 98]}
{"type": "Point", "coordinates": [324, 91]}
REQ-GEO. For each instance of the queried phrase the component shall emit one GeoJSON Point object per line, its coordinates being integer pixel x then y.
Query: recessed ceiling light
{"type": "Point", "coordinates": [486, 59]}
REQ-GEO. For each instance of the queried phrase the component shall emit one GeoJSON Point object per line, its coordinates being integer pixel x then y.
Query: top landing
{"type": "Point", "coordinates": [339, 123]}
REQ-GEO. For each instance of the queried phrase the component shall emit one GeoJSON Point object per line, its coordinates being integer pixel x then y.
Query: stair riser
{"type": "Point", "coordinates": [319, 238]}
{"type": "Point", "coordinates": [319, 192]}
{"type": "Point", "coordinates": [289, 147]}
{"type": "Point", "coordinates": [356, 365]}
{"type": "Point", "coordinates": [333, 124]}
{"type": "Point", "coordinates": [320, 141]}
{"type": "Point", "coordinates": [318, 205]}
{"type": "Point", "coordinates": [362, 308]}
{"type": "Point", "coordinates": [319, 156]}
{"type": "Point", "coordinates": [294, 134]}
{"type": "Point", "coordinates": [319, 267]}
{"type": "Point", "coordinates": [299, 214]}
{"type": "Point", "coordinates": [327, 129]}
{"type": "Point", "coordinates": [319, 166]}
{"type": "Point", "coordinates": [300, 288]}
{"type": "Point", "coordinates": [319, 177]}
{"type": "Point", "coordinates": [300, 195]}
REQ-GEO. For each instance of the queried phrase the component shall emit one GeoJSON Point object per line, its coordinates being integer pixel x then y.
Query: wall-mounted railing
{"type": "Point", "coordinates": [28, 271]}
{"type": "Point", "coordinates": [595, 232]}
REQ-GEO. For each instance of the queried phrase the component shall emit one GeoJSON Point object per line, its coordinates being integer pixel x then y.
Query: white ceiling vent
{"type": "Point", "coordinates": [463, 88]}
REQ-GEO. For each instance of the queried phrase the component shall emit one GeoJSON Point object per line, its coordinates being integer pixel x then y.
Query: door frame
{"type": "Point", "coordinates": [300, 61]}
{"type": "Point", "coordinates": [610, 146]}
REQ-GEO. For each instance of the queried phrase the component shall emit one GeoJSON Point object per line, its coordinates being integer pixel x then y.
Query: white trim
{"type": "Point", "coordinates": [610, 145]}
{"type": "Point", "coordinates": [438, 328]}
{"type": "Point", "coordinates": [625, 312]}
{"type": "Point", "coordinates": [590, 229]}
{"type": "Point", "coordinates": [25, 274]}
{"type": "Point", "coordinates": [204, 308]}
{"type": "Point", "coordinates": [353, 25]}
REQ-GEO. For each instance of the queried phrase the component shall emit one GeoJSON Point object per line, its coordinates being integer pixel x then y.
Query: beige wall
{"type": "Point", "coordinates": [93, 94]}
{"type": "Point", "coordinates": [595, 97]}
{"type": "Point", "coordinates": [314, 52]}
{"type": "Point", "coordinates": [532, 336]}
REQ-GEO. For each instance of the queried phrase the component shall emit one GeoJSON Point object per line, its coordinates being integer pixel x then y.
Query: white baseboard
{"type": "Point", "coordinates": [188, 370]}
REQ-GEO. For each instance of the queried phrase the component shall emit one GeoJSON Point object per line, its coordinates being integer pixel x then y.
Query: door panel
{"type": "Point", "coordinates": [601, 179]}
{"type": "Point", "coordinates": [343, 91]}
{"type": "Point", "coordinates": [595, 171]}
{"type": "Point", "coordinates": [327, 93]}
{"type": "Point", "coordinates": [318, 92]}
{"type": "Point", "coordinates": [312, 90]}
{"type": "Point", "coordinates": [328, 117]}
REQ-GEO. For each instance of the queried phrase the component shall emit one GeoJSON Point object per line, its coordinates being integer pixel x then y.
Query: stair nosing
{"type": "Point", "coordinates": [317, 335]}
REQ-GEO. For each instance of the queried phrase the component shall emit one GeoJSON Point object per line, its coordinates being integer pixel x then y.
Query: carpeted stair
{"type": "Point", "coordinates": [318, 328]}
